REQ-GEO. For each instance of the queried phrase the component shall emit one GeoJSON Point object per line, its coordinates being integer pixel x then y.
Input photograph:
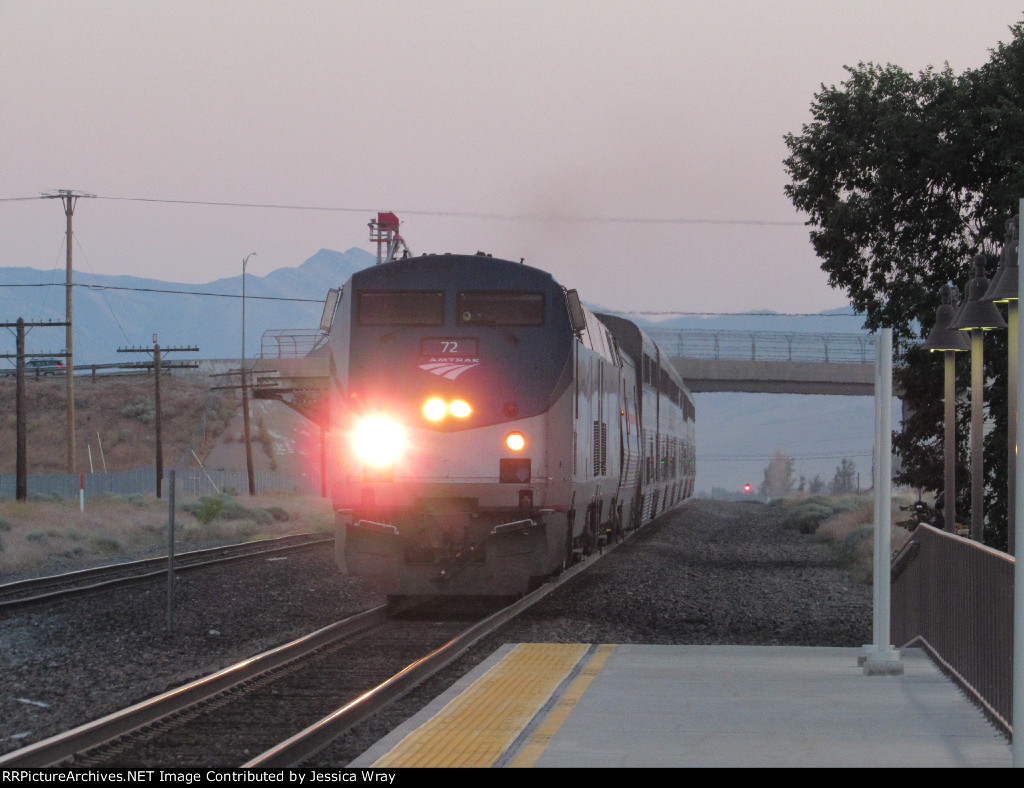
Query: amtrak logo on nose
{"type": "Point", "coordinates": [449, 368]}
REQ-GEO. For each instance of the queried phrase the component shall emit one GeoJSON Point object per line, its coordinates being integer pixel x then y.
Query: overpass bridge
{"type": "Point", "coordinates": [771, 362]}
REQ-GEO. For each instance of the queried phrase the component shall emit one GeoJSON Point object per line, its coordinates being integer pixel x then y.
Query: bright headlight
{"type": "Point", "coordinates": [515, 441]}
{"type": "Point", "coordinates": [377, 440]}
{"type": "Point", "coordinates": [459, 408]}
{"type": "Point", "coordinates": [434, 409]}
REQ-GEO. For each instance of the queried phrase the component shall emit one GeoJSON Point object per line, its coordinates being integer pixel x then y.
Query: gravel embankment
{"type": "Point", "coordinates": [710, 573]}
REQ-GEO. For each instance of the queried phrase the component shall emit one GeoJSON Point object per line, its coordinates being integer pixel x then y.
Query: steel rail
{"type": "Point", "coordinates": [303, 745]}
{"type": "Point", "coordinates": [87, 580]}
{"type": "Point", "coordinates": [54, 750]}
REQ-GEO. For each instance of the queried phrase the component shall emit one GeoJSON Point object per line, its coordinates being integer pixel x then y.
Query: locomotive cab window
{"type": "Point", "coordinates": [489, 308]}
{"type": "Point", "coordinates": [401, 308]}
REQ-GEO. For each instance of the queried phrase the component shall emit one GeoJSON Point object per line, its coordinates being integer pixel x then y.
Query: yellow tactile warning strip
{"type": "Point", "coordinates": [535, 747]}
{"type": "Point", "coordinates": [477, 727]}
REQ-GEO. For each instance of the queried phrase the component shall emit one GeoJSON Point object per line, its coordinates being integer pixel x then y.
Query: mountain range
{"type": "Point", "coordinates": [112, 312]}
{"type": "Point", "coordinates": [737, 433]}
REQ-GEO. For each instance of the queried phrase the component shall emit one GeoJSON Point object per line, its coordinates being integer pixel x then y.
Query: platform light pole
{"type": "Point", "coordinates": [1004, 290]}
{"type": "Point", "coordinates": [949, 342]}
{"type": "Point", "coordinates": [245, 393]}
{"type": "Point", "coordinates": [1017, 703]}
{"type": "Point", "coordinates": [978, 316]}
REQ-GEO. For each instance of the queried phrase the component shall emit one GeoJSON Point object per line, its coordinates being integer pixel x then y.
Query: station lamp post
{"type": "Point", "coordinates": [1004, 290]}
{"type": "Point", "coordinates": [978, 316]}
{"type": "Point", "coordinates": [947, 340]}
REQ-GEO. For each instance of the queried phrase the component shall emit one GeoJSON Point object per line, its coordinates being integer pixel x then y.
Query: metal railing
{"type": "Point", "coordinates": [292, 342]}
{"type": "Point", "coordinates": [954, 597]}
{"type": "Point", "coordinates": [766, 345]}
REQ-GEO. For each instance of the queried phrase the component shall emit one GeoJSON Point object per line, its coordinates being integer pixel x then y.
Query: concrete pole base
{"type": "Point", "coordinates": [881, 662]}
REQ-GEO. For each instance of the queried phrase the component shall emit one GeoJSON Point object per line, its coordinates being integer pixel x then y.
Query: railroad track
{"type": "Point", "coordinates": [55, 587]}
{"type": "Point", "coordinates": [280, 708]}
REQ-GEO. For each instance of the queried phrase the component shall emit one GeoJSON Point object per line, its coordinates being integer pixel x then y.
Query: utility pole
{"type": "Point", "coordinates": [245, 395]}
{"type": "Point", "coordinates": [20, 460]}
{"type": "Point", "coordinates": [21, 443]}
{"type": "Point", "coordinates": [69, 198]}
{"type": "Point", "coordinates": [157, 364]}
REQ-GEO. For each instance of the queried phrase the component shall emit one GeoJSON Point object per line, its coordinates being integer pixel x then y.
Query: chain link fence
{"type": "Point", "coordinates": [191, 481]}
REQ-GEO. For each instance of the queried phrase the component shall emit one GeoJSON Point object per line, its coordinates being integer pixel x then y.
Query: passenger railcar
{"type": "Point", "coordinates": [489, 429]}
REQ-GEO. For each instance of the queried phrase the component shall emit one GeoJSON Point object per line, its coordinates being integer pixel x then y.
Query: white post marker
{"type": "Point", "coordinates": [81, 492]}
{"type": "Point", "coordinates": [881, 659]}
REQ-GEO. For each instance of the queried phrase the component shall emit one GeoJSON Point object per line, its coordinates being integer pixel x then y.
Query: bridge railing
{"type": "Point", "coordinates": [766, 345]}
{"type": "Point", "coordinates": [954, 597]}
{"type": "Point", "coordinates": [291, 342]}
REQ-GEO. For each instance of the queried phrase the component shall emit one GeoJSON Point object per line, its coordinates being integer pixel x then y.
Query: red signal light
{"type": "Point", "coordinates": [746, 488]}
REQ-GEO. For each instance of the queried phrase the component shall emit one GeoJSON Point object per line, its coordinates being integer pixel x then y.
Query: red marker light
{"type": "Point", "coordinates": [746, 488]}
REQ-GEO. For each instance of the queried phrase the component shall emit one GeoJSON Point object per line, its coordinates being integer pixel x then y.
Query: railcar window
{"type": "Point", "coordinates": [401, 308]}
{"type": "Point", "coordinates": [489, 308]}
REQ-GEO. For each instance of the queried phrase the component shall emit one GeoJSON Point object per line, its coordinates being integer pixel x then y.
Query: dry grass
{"type": "Point", "coordinates": [851, 534]}
{"type": "Point", "coordinates": [114, 420]}
{"type": "Point", "coordinates": [846, 523]}
{"type": "Point", "coordinates": [115, 430]}
{"type": "Point", "coordinates": [42, 537]}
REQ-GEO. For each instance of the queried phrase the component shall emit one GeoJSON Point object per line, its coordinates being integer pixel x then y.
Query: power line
{"type": "Point", "coordinates": [479, 215]}
{"type": "Point", "coordinates": [318, 301]}
{"type": "Point", "coordinates": [791, 457]}
{"type": "Point", "coordinates": [173, 292]}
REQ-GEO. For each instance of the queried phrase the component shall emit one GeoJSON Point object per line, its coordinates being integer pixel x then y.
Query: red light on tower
{"type": "Point", "coordinates": [746, 488]}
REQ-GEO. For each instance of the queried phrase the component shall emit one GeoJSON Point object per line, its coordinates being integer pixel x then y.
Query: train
{"type": "Point", "coordinates": [488, 430]}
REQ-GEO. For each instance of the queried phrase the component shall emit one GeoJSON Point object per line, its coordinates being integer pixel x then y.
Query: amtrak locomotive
{"type": "Point", "coordinates": [489, 429]}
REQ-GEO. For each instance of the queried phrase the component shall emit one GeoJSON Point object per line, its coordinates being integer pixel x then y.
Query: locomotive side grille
{"type": "Point", "coordinates": [600, 449]}
{"type": "Point", "coordinates": [604, 449]}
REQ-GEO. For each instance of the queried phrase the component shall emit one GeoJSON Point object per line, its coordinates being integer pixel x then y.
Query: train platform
{"type": "Point", "coordinates": [600, 706]}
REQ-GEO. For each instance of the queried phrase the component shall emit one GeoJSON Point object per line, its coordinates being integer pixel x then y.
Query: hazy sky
{"type": "Point", "coordinates": [472, 120]}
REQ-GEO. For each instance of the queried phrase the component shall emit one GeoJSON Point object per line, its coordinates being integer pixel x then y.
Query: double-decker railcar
{"type": "Point", "coordinates": [489, 429]}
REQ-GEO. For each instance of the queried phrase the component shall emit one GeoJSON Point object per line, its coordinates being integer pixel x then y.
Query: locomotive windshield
{"type": "Point", "coordinates": [401, 308]}
{"type": "Point", "coordinates": [490, 308]}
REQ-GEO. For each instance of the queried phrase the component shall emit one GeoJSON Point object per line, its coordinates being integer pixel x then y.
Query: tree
{"type": "Point", "coordinates": [904, 177]}
{"type": "Point", "coordinates": [778, 476]}
{"type": "Point", "coordinates": [845, 480]}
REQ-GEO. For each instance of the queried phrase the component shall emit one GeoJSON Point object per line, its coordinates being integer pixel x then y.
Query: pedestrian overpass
{"type": "Point", "coordinates": [771, 362]}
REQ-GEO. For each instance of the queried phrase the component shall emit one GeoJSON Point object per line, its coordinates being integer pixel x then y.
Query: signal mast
{"type": "Point", "coordinates": [384, 231]}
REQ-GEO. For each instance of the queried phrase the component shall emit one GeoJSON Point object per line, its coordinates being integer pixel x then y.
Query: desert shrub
{"type": "Point", "coordinates": [855, 546]}
{"type": "Point", "coordinates": [53, 497]}
{"type": "Point", "coordinates": [35, 536]}
{"type": "Point", "coordinates": [206, 509]}
{"type": "Point", "coordinates": [4, 525]}
{"type": "Point", "coordinates": [847, 503]}
{"type": "Point", "coordinates": [278, 514]}
{"type": "Point", "coordinates": [141, 409]}
{"type": "Point", "coordinates": [105, 544]}
{"type": "Point", "coordinates": [225, 507]}
{"type": "Point", "coordinates": [807, 515]}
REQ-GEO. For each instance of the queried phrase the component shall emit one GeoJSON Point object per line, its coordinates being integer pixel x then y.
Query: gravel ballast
{"type": "Point", "coordinates": [708, 573]}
